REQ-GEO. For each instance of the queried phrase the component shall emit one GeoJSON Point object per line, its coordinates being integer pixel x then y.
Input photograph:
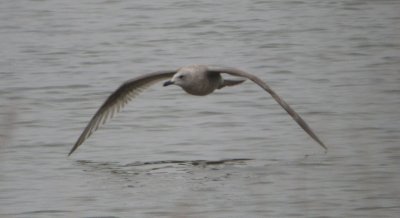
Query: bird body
{"type": "Point", "coordinates": [197, 80]}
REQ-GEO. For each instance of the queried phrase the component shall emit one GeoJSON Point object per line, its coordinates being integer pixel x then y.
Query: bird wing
{"type": "Point", "coordinates": [262, 84]}
{"type": "Point", "coordinates": [126, 92]}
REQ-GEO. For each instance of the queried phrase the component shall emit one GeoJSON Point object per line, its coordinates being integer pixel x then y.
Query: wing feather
{"type": "Point", "coordinates": [118, 99]}
{"type": "Point", "coordinates": [262, 84]}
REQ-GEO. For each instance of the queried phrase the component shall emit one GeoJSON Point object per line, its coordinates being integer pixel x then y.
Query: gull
{"type": "Point", "coordinates": [197, 80]}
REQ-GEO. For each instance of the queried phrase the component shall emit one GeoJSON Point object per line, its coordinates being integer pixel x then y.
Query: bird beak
{"type": "Point", "coordinates": [169, 82]}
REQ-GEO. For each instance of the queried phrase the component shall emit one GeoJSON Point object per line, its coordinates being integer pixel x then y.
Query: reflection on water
{"type": "Point", "coordinates": [235, 153]}
{"type": "Point", "coordinates": [153, 167]}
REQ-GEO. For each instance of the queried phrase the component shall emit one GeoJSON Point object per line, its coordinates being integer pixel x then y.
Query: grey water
{"type": "Point", "coordinates": [234, 153]}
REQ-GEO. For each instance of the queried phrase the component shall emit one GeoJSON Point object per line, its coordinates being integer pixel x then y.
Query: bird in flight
{"type": "Point", "coordinates": [197, 80]}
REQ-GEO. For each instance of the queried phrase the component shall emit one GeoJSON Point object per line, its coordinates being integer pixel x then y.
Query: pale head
{"type": "Point", "coordinates": [186, 76]}
{"type": "Point", "coordinates": [195, 80]}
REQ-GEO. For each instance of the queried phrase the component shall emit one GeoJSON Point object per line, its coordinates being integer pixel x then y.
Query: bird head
{"type": "Point", "coordinates": [181, 78]}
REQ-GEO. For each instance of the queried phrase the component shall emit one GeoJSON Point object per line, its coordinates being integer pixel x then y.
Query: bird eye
{"type": "Point", "coordinates": [181, 76]}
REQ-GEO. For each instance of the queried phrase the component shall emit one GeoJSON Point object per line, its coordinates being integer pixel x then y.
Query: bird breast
{"type": "Point", "coordinates": [203, 86]}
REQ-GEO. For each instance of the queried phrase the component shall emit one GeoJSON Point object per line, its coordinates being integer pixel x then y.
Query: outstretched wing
{"type": "Point", "coordinates": [126, 92]}
{"type": "Point", "coordinates": [262, 84]}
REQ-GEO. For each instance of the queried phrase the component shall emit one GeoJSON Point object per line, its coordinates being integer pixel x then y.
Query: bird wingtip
{"type": "Point", "coordinates": [69, 154]}
{"type": "Point", "coordinates": [72, 150]}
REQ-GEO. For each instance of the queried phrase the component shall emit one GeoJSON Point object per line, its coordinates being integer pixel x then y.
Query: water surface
{"type": "Point", "coordinates": [235, 153]}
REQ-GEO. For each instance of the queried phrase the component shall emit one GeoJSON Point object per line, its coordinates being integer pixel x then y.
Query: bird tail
{"type": "Point", "coordinates": [228, 82]}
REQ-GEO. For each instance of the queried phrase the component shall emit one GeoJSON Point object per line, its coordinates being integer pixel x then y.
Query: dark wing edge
{"type": "Point", "coordinates": [281, 102]}
{"type": "Point", "coordinates": [119, 98]}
